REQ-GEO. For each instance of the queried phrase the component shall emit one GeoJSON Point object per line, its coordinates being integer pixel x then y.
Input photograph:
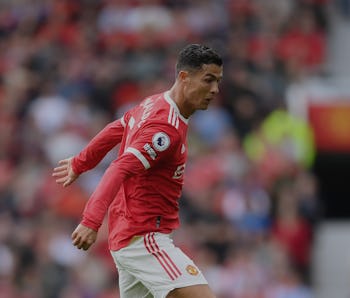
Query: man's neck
{"type": "Point", "coordinates": [177, 96]}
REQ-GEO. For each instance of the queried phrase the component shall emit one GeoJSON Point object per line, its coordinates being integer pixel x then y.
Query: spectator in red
{"type": "Point", "coordinates": [303, 43]}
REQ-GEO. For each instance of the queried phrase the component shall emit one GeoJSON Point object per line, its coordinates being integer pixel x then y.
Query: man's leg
{"type": "Point", "coordinates": [131, 287]}
{"type": "Point", "coordinates": [161, 267]}
{"type": "Point", "coordinates": [196, 291]}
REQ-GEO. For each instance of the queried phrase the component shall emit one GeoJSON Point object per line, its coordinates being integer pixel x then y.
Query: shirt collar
{"type": "Point", "coordinates": [174, 105]}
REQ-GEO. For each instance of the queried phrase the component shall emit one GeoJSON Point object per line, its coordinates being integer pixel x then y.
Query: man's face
{"type": "Point", "coordinates": [201, 86]}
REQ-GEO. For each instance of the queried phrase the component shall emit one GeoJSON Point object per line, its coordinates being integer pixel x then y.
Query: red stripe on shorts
{"type": "Point", "coordinates": [171, 261]}
{"type": "Point", "coordinates": [153, 249]}
{"type": "Point", "coordinates": [150, 249]}
{"type": "Point", "coordinates": [165, 256]}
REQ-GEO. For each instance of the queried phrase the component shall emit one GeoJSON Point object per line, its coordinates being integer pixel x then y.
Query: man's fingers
{"type": "Point", "coordinates": [60, 168]}
{"type": "Point", "coordinates": [83, 237]}
{"type": "Point", "coordinates": [60, 173]}
{"type": "Point", "coordinates": [74, 235]}
{"type": "Point", "coordinates": [67, 182]}
{"type": "Point", "coordinates": [77, 241]}
{"type": "Point", "coordinates": [63, 162]}
{"type": "Point", "coordinates": [64, 173]}
{"type": "Point", "coordinates": [62, 180]}
{"type": "Point", "coordinates": [86, 246]}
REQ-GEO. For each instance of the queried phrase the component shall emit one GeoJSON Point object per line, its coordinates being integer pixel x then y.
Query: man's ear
{"type": "Point", "coordinates": [183, 75]}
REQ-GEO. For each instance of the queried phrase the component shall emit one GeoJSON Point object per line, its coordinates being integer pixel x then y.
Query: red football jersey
{"type": "Point", "coordinates": [142, 186]}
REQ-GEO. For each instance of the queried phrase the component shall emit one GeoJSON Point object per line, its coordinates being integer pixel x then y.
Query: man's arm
{"type": "Point", "coordinates": [69, 169]}
{"type": "Point", "coordinates": [121, 169]}
{"type": "Point", "coordinates": [98, 147]}
{"type": "Point", "coordinates": [137, 158]}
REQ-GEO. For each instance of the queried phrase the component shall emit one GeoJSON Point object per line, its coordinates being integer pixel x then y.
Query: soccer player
{"type": "Point", "coordinates": [141, 188]}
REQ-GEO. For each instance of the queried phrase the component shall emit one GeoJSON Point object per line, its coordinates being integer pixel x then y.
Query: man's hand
{"type": "Point", "coordinates": [64, 172]}
{"type": "Point", "coordinates": [83, 237]}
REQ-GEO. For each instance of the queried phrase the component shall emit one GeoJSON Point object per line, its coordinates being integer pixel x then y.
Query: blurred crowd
{"type": "Point", "coordinates": [249, 205]}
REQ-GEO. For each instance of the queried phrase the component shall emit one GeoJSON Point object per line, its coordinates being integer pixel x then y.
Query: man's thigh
{"type": "Point", "coordinates": [131, 287]}
{"type": "Point", "coordinates": [196, 291]}
{"type": "Point", "coordinates": [160, 266]}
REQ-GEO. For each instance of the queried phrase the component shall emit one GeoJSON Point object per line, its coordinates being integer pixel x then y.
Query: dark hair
{"type": "Point", "coordinates": [193, 56]}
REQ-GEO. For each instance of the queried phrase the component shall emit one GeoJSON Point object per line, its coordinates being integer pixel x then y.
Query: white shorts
{"type": "Point", "coordinates": [151, 266]}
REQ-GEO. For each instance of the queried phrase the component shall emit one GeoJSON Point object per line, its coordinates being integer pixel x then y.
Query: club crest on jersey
{"type": "Point", "coordinates": [161, 141]}
{"type": "Point", "coordinates": [192, 270]}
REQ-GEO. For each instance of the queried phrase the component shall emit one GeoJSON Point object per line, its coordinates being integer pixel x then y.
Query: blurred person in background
{"type": "Point", "coordinates": [141, 188]}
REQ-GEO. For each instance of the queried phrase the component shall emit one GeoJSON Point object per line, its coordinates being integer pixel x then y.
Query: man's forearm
{"type": "Point", "coordinates": [98, 147]}
{"type": "Point", "coordinates": [106, 191]}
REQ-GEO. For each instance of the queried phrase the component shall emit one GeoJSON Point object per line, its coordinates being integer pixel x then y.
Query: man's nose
{"type": "Point", "coordinates": [215, 88]}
